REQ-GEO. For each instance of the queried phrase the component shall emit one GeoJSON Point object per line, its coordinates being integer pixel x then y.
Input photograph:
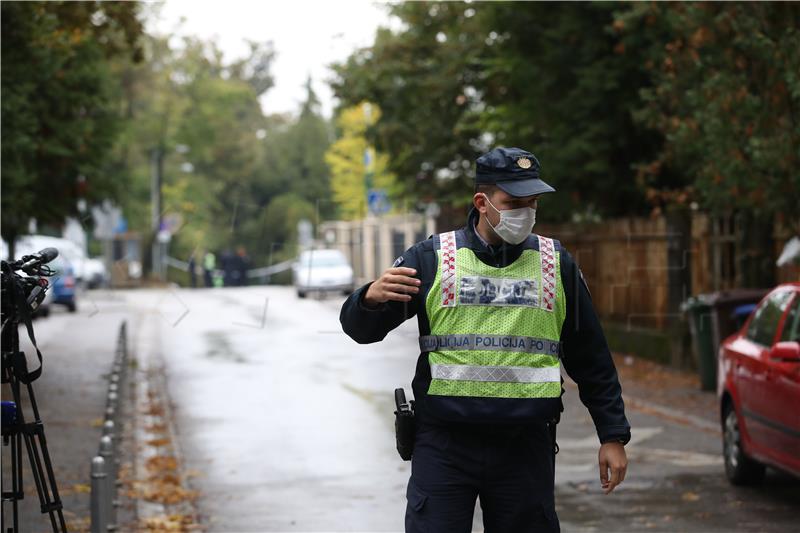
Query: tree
{"type": "Point", "coordinates": [418, 81]}
{"type": "Point", "coordinates": [295, 157]}
{"type": "Point", "coordinates": [461, 78]}
{"type": "Point", "coordinates": [346, 159]}
{"type": "Point", "coordinates": [59, 105]}
{"type": "Point", "coordinates": [199, 116]}
{"type": "Point", "coordinates": [726, 98]}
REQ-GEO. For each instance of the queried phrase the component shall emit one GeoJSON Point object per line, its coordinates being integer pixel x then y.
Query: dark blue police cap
{"type": "Point", "coordinates": [513, 170]}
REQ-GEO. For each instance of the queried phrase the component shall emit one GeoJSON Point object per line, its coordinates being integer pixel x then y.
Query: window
{"type": "Point", "coordinates": [791, 328]}
{"type": "Point", "coordinates": [768, 315]}
{"type": "Point", "coordinates": [323, 258]}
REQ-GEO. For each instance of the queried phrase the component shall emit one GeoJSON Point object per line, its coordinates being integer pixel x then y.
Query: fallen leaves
{"type": "Point", "coordinates": [167, 490]}
{"type": "Point", "coordinates": [173, 522]}
{"type": "Point", "coordinates": [161, 463]}
{"type": "Point", "coordinates": [82, 488]}
{"type": "Point", "coordinates": [690, 496]}
{"type": "Point", "coordinates": [155, 409]}
{"type": "Point", "coordinates": [159, 478]}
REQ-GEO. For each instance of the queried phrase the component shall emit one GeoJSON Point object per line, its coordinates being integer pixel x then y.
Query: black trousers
{"type": "Point", "coordinates": [511, 469]}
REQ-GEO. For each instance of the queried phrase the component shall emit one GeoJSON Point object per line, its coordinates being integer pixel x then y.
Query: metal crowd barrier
{"type": "Point", "coordinates": [105, 465]}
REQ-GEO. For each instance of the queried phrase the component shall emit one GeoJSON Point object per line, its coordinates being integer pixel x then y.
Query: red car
{"type": "Point", "coordinates": [759, 389]}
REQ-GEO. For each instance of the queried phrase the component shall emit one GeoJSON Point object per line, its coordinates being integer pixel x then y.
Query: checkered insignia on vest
{"type": "Point", "coordinates": [447, 243]}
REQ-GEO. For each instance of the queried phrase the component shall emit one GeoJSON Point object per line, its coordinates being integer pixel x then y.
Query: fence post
{"type": "Point", "coordinates": [100, 496]}
{"type": "Point", "coordinates": [107, 453]}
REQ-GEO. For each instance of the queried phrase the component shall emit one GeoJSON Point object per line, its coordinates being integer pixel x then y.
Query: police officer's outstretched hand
{"type": "Point", "coordinates": [395, 284]}
{"type": "Point", "coordinates": [612, 457]}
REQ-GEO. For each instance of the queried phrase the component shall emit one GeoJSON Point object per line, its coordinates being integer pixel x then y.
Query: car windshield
{"type": "Point", "coordinates": [323, 259]}
{"type": "Point", "coordinates": [791, 327]}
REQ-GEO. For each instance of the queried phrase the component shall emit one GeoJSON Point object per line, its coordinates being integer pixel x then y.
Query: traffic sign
{"type": "Point", "coordinates": [378, 201]}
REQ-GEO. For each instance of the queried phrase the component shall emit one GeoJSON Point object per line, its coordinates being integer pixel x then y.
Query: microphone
{"type": "Point", "coordinates": [41, 257]}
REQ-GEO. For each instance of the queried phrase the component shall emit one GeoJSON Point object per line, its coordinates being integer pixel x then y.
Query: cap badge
{"type": "Point", "coordinates": [524, 162]}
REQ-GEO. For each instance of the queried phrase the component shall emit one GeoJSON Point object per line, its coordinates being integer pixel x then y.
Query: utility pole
{"type": "Point", "coordinates": [157, 168]}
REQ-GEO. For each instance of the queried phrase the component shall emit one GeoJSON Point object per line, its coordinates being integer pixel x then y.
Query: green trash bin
{"type": "Point", "coordinates": [711, 319]}
{"type": "Point", "coordinates": [699, 310]}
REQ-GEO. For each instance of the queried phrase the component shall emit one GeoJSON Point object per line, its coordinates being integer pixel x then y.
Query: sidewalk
{"type": "Point", "coordinates": [665, 392]}
{"type": "Point", "coordinates": [78, 350]}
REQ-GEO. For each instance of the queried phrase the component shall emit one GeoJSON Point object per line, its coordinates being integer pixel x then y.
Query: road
{"type": "Point", "coordinates": [290, 424]}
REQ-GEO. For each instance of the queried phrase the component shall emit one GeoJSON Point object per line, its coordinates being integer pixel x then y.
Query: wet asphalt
{"type": "Point", "coordinates": [287, 423]}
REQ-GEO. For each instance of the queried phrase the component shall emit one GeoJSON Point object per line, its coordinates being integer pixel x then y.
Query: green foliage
{"type": "Point", "coordinates": [460, 78]}
{"type": "Point", "coordinates": [59, 111]}
{"type": "Point", "coordinates": [224, 163]}
{"type": "Point", "coordinates": [557, 82]}
{"type": "Point", "coordinates": [726, 97]}
{"type": "Point", "coordinates": [417, 81]}
{"type": "Point", "coordinates": [629, 106]}
{"type": "Point", "coordinates": [346, 156]}
{"type": "Point", "coordinates": [297, 157]}
{"type": "Point", "coordinates": [282, 216]}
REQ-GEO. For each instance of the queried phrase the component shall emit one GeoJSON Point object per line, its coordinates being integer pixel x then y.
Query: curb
{"type": "Point", "coordinates": [152, 444]}
{"type": "Point", "coordinates": [669, 413]}
{"type": "Point", "coordinates": [674, 415]}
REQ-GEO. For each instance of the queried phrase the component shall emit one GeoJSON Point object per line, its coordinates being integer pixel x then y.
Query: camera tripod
{"type": "Point", "coordinates": [15, 430]}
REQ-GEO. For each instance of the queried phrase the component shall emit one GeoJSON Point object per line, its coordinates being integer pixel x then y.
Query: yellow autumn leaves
{"type": "Point", "coordinates": [353, 162]}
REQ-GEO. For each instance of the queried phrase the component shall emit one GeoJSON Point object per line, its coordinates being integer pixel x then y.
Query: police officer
{"type": "Point", "coordinates": [499, 310]}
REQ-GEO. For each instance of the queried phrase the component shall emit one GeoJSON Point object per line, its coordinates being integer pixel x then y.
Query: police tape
{"type": "Point", "coordinates": [252, 273]}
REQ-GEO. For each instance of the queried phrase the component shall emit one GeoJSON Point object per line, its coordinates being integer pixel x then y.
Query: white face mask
{"type": "Point", "coordinates": [515, 224]}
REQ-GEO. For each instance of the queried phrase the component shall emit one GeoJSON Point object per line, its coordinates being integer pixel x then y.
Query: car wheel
{"type": "Point", "coordinates": [740, 469]}
{"type": "Point", "coordinates": [301, 294]}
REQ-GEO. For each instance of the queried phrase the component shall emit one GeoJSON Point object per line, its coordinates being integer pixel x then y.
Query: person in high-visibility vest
{"type": "Point", "coordinates": [209, 266]}
{"type": "Point", "coordinates": [499, 310]}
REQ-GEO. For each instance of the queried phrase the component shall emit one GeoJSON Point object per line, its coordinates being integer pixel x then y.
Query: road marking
{"type": "Point", "coordinates": [673, 415]}
{"type": "Point", "coordinates": [675, 457]}
{"type": "Point", "coordinates": [638, 435]}
{"type": "Point", "coordinates": [577, 451]}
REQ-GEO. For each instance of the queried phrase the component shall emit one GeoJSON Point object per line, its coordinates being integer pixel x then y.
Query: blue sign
{"type": "Point", "coordinates": [378, 201]}
{"type": "Point", "coordinates": [122, 225]}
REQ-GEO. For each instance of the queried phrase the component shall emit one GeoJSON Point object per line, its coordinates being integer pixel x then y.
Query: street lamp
{"type": "Point", "coordinates": [159, 248]}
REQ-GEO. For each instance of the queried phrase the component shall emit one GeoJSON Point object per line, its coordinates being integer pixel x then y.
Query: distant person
{"type": "Point", "coordinates": [192, 273]}
{"type": "Point", "coordinates": [242, 265]}
{"type": "Point", "coordinates": [209, 265]}
{"type": "Point", "coordinates": [227, 264]}
{"type": "Point", "coordinates": [500, 309]}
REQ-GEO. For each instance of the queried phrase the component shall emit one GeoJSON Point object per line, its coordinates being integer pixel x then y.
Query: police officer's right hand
{"type": "Point", "coordinates": [395, 284]}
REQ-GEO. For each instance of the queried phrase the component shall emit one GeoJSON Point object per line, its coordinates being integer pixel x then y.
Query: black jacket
{"type": "Point", "coordinates": [585, 354]}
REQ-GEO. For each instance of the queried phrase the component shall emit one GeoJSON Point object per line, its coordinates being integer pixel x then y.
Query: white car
{"type": "Point", "coordinates": [66, 249]}
{"type": "Point", "coordinates": [62, 289]}
{"type": "Point", "coordinates": [323, 271]}
{"type": "Point", "coordinates": [95, 273]}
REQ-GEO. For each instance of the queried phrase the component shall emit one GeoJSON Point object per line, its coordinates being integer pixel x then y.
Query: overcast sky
{"type": "Point", "coordinates": [307, 35]}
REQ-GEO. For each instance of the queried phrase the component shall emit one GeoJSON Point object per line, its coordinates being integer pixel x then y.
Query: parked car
{"type": "Point", "coordinates": [66, 249]}
{"type": "Point", "coordinates": [759, 389]}
{"type": "Point", "coordinates": [63, 283]}
{"type": "Point", "coordinates": [322, 270]}
{"type": "Point", "coordinates": [95, 273]}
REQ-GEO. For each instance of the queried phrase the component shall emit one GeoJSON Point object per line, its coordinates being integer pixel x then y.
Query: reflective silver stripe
{"type": "Point", "coordinates": [506, 374]}
{"type": "Point", "coordinates": [498, 343]}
